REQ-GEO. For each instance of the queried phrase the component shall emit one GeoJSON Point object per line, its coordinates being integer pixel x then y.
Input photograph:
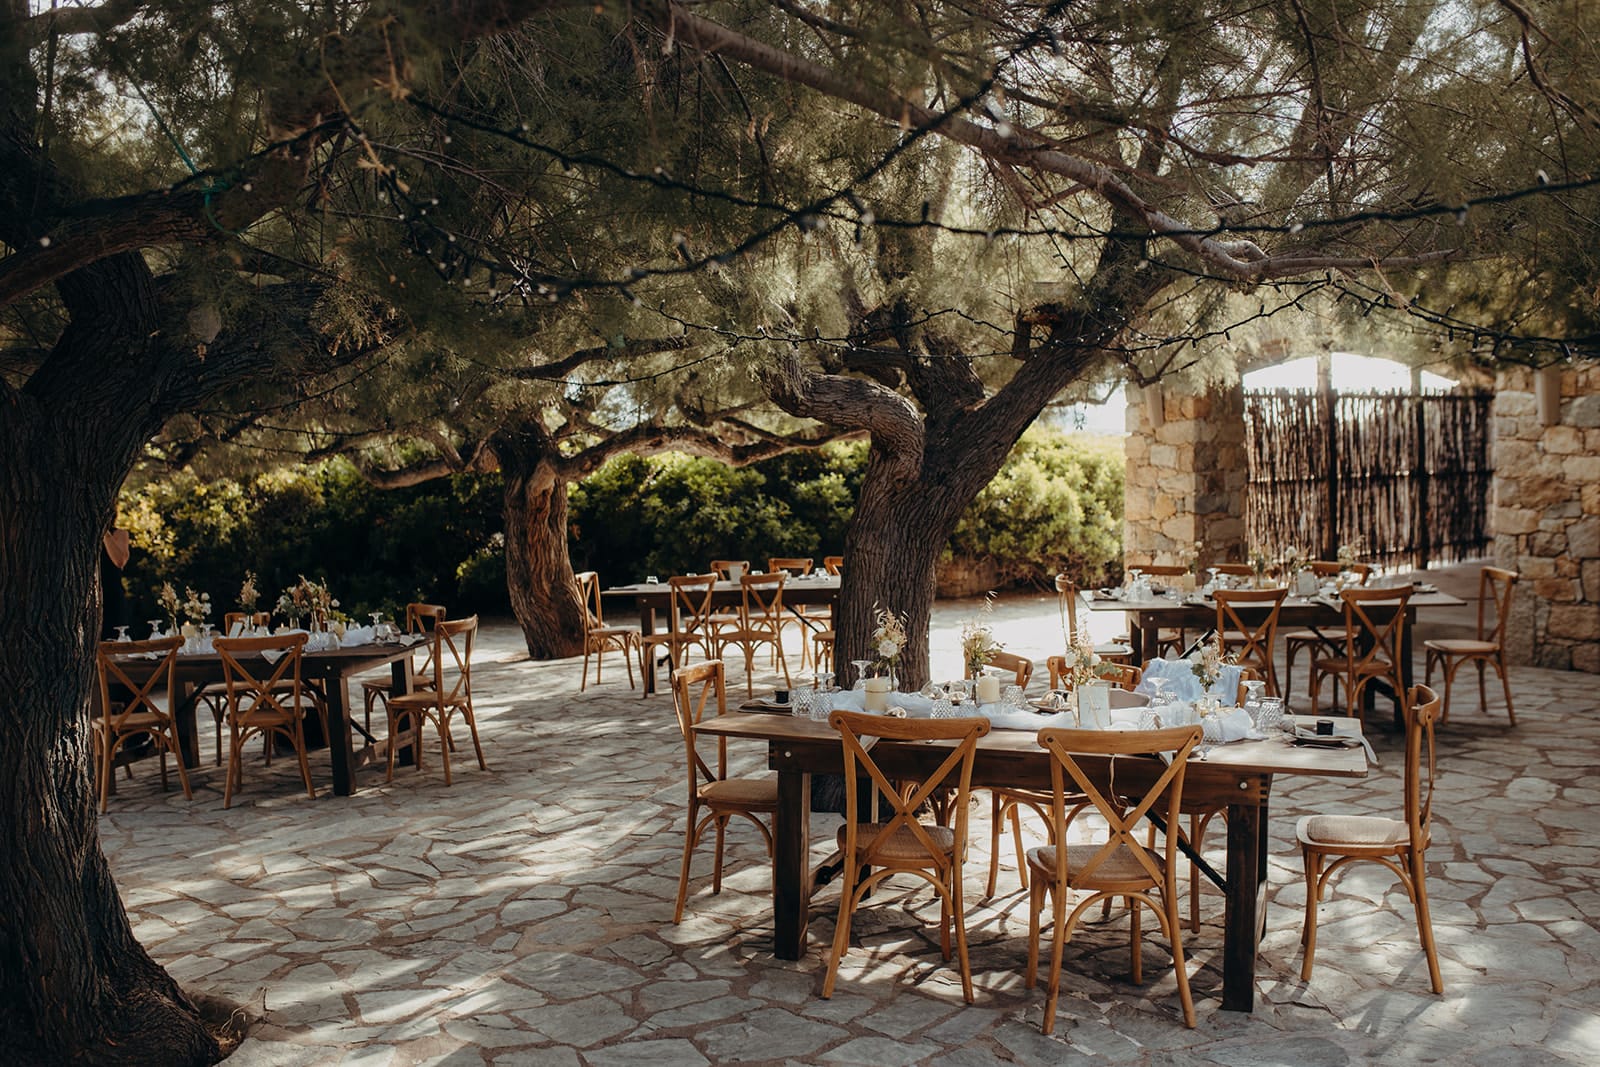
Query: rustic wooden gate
{"type": "Point", "coordinates": [1403, 478]}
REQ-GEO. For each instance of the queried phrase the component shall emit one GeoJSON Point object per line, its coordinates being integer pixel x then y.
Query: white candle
{"type": "Point", "coordinates": [988, 689]}
{"type": "Point", "coordinates": [877, 695]}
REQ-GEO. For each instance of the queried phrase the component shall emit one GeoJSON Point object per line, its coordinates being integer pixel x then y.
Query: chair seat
{"type": "Point", "coordinates": [427, 701]}
{"type": "Point", "coordinates": [383, 685]}
{"type": "Point", "coordinates": [754, 794]}
{"type": "Point", "coordinates": [1121, 870]}
{"type": "Point", "coordinates": [1333, 635]}
{"type": "Point", "coordinates": [1113, 648]}
{"type": "Point", "coordinates": [903, 846]}
{"type": "Point", "coordinates": [1462, 647]}
{"type": "Point", "coordinates": [1351, 831]}
{"type": "Point", "coordinates": [1376, 669]}
{"type": "Point", "coordinates": [137, 721]}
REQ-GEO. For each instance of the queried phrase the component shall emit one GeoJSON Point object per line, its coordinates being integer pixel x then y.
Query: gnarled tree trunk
{"type": "Point", "coordinates": [544, 594]}
{"type": "Point", "coordinates": [75, 985]}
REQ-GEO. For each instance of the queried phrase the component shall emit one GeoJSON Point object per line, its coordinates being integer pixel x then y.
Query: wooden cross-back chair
{"type": "Point", "coordinates": [714, 796]}
{"type": "Point", "coordinates": [1326, 641]}
{"type": "Point", "coordinates": [902, 843]}
{"type": "Point", "coordinates": [690, 624]}
{"type": "Point", "coordinates": [420, 619]}
{"type": "Point", "coordinates": [1248, 621]}
{"type": "Point", "coordinates": [1398, 844]}
{"type": "Point", "coordinates": [759, 622]}
{"type": "Point", "coordinates": [139, 715]}
{"type": "Point", "coordinates": [266, 698]}
{"type": "Point", "coordinates": [1374, 624]}
{"type": "Point", "coordinates": [1006, 804]}
{"type": "Point", "coordinates": [1118, 651]}
{"type": "Point", "coordinates": [1495, 587]}
{"type": "Point", "coordinates": [598, 638]}
{"type": "Point", "coordinates": [800, 617]}
{"type": "Point", "coordinates": [1121, 866]}
{"type": "Point", "coordinates": [448, 694]}
{"type": "Point", "coordinates": [214, 695]}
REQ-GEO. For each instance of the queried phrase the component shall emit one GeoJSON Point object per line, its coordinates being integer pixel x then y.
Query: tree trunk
{"type": "Point", "coordinates": [544, 593]}
{"type": "Point", "coordinates": [74, 983]}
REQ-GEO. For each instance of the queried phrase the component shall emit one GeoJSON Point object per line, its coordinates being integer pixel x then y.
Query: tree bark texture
{"type": "Point", "coordinates": [75, 985]}
{"type": "Point", "coordinates": [544, 594]}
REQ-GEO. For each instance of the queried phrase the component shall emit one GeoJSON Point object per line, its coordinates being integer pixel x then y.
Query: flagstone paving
{"type": "Point", "coordinates": [524, 915]}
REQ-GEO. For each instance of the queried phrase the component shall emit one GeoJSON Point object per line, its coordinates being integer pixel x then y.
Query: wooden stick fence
{"type": "Point", "coordinates": [1405, 479]}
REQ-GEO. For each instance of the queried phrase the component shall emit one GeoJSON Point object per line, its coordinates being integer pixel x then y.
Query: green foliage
{"type": "Point", "coordinates": [1055, 506]}
{"type": "Point", "coordinates": [1057, 503]}
{"type": "Point", "coordinates": [377, 549]}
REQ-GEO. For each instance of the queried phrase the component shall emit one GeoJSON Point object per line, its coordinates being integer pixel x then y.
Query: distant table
{"type": "Point", "coordinates": [332, 668]}
{"type": "Point", "coordinates": [652, 597]}
{"type": "Point", "coordinates": [1147, 617]}
{"type": "Point", "coordinates": [1236, 777]}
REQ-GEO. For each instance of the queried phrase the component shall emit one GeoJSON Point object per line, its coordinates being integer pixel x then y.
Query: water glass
{"type": "Point", "coordinates": [821, 705]}
{"type": "Point", "coordinates": [801, 699]}
{"type": "Point", "coordinates": [1013, 697]}
{"type": "Point", "coordinates": [1271, 717]}
{"type": "Point", "coordinates": [943, 706]}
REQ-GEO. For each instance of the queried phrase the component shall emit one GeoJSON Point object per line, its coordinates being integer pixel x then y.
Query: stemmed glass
{"type": "Point", "coordinates": [122, 634]}
{"type": "Point", "coordinates": [1252, 699]}
{"type": "Point", "coordinates": [861, 666]}
{"type": "Point", "coordinates": [155, 629]}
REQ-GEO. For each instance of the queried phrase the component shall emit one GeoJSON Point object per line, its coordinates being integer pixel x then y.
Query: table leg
{"type": "Point", "coordinates": [183, 706]}
{"type": "Point", "coordinates": [791, 871]}
{"type": "Point", "coordinates": [339, 749]}
{"type": "Point", "coordinates": [1246, 905]}
{"type": "Point", "coordinates": [647, 626]}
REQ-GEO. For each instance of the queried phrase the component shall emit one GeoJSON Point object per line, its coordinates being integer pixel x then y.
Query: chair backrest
{"type": "Point", "coordinates": [1159, 570]}
{"type": "Point", "coordinates": [1234, 570]}
{"type": "Point", "coordinates": [141, 694]}
{"type": "Point", "coordinates": [1329, 568]}
{"type": "Point", "coordinates": [1122, 675]}
{"type": "Point", "coordinates": [420, 617]}
{"type": "Point", "coordinates": [761, 602]}
{"type": "Point", "coordinates": [1496, 585]}
{"type": "Point", "coordinates": [1252, 614]}
{"type": "Point", "coordinates": [723, 568]}
{"type": "Point", "coordinates": [696, 691]}
{"type": "Point", "coordinates": [1371, 640]}
{"type": "Point", "coordinates": [259, 619]}
{"type": "Point", "coordinates": [589, 593]}
{"type": "Point", "coordinates": [855, 726]}
{"type": "Point", "coordinates": [1420, 717]}
{"type": "Point", "coordinates": [271, 686]}
{"type": "Point", "coordinates": [833, 564]}
{"type": "Point", "coordinates": [691, 603]}
{"type": "Point", "coordinates": [452, 648]}
{"type": "Point", "coordinates": [799, 565]}
{"type": "Point", "coordinates": [1067, 605]}
{"type": "Point", "coordinates": [1021, 667]}
{"type": "Point", "coordinates": [1121, 809]}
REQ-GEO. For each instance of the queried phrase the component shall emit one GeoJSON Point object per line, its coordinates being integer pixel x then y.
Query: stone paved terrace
{"type": "Point", "coordinates": [523, 916]}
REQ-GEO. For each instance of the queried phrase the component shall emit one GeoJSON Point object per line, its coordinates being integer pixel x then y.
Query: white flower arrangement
{"type": "Point", "coordinates": [978, 645]}
{"type": "Point", "coordinates": [888, 638]}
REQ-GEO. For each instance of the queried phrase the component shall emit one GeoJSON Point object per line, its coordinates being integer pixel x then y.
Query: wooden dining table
{"type": "Point", "coordinates": [653, 597]}
{"type": "Point", "coordinates": [331, 669]}
{"type": "Point", "coordinates": [1235, 777]}
{"type": "Point", "coordinates": [1147, 617]}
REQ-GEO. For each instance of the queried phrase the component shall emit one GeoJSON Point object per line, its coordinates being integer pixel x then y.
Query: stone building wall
{"type": "Point", "coordinates": [1187, 475]}
{"type": "Point", "coordinates": [1546, 518]}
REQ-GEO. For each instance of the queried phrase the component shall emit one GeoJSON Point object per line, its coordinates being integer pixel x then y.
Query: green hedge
{"type": "Point", "coordinates": [1057, 503]}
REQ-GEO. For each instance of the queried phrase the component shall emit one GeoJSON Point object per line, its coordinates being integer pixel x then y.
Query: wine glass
{"type": "Point", "coordinates": [122, 634]}
{"type": "Point", "coordinates": [155, 629]}
{"type": "Point", "coordinates": [1158, 685]}
{"type": "Point", "coordinates": [1252, 698]}
{"type": "Point", "coordinates": [861, 666]}
{"type": "Point", "coordinates": [377, 620]}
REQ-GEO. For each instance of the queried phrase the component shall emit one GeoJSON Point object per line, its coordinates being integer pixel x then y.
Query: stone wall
{"type": "Point", "coordinates": [1187, 475]}
{"type": "Point", "coordinates": [1546, 518]}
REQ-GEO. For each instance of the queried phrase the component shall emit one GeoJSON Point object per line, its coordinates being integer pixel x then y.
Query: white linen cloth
{"type": "Point", "coordinates": [1182, 685]}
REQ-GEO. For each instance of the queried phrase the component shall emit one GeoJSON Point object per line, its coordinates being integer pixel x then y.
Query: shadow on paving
{"type": "Point", "coordinates": [523, 915]}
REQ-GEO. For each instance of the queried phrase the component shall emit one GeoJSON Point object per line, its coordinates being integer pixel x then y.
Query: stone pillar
{"type": "Point", "coordinates": [1546, 517]}
{"type": "Point", "coordinates": [1187, 475]}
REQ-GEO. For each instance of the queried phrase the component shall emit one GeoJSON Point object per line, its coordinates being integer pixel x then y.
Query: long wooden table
{"type": "Point", "coordinates": [332, 668]}
{"type": "Point", "coordinates": [653, 597]}
{"type": "Point", "coordinates": [1147, 617]}
{"type": "Point", "coordinates": [1236, 777]}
